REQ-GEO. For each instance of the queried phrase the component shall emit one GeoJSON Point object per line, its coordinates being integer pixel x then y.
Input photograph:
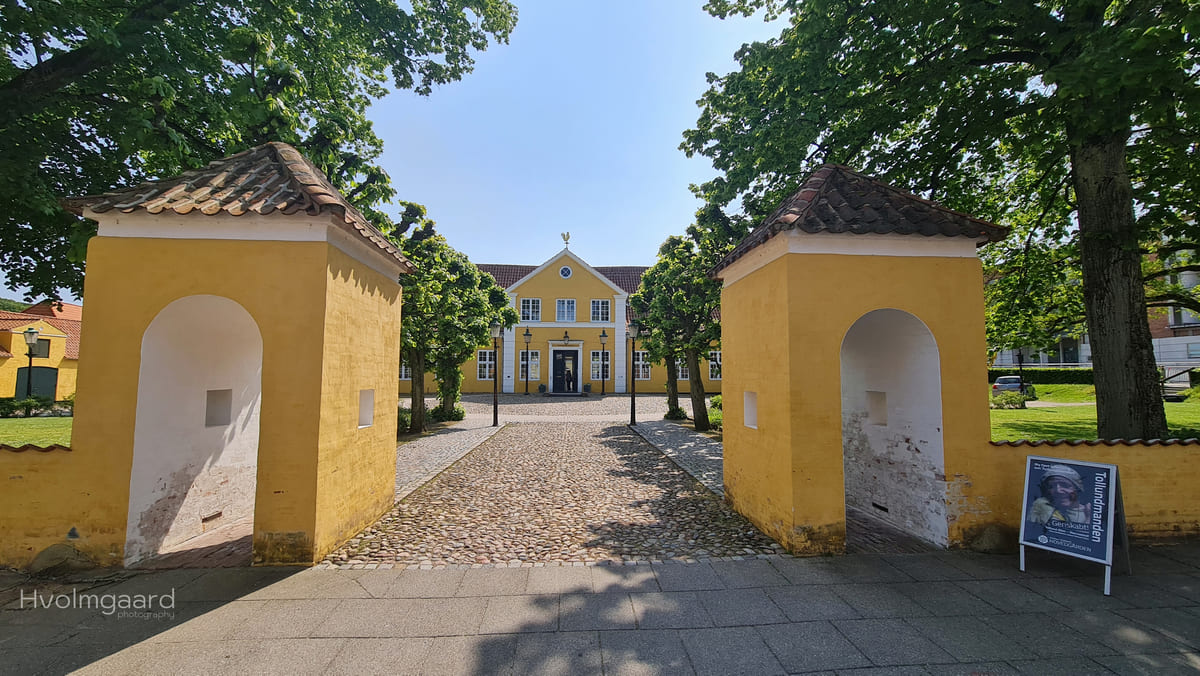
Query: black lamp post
{"type": "Point", "coordinates": [603, 342]}
{"type": "Point", "coordinates": [528, 337]}
{"type": "Point", "coordinates": [495, 374]}
{"type": "Point", "coordinates": [31, 341]}
{"type": "Point", "coordinates": [634, 329]}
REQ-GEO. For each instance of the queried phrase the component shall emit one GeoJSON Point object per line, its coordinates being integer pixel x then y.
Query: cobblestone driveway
{"type": "Point", "coordinates": [557, 493]}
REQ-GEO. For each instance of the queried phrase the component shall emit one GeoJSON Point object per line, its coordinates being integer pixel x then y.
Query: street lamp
{"type": "Point", "coordinates": [31, 341]}
{"type": "Point", "coordinates": [528, 337]}
{"type": "Point", "coordinates": [495, 374]}
{"type": "Point", "coordinates": [603, 342]}
{"type": "Point", "coordinates": [634, 329]}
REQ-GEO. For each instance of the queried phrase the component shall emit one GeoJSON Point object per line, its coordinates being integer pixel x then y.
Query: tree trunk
{"type": "Point", "coordinates": [699, 407]}
{"type": "Point", "coordinates": [416, 361]}
{"type": "Point", "coordinates": [1128, 397]}
{"type": "Point", "coordinates": [672, 384]}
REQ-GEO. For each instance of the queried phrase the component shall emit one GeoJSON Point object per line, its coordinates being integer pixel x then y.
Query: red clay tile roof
{"type": "Point", "coordinates": [12, 320]}
{"type": "Point", "coordinates": [626, 277]}
{"type": "Point", "coordinates": [269, 178]}
{"type": "Point", "coordinates": [838, 199]}
{"type": "Point", "coordinates": [49, 308]}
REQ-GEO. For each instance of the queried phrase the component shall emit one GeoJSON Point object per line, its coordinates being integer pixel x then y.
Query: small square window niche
{"type": "Point", "coordinates": [750, 409]}
{"type": "Point", "coordinates": [366, 408]}
{"type": "Point", "coordinates": [877, 408]}
{"type": "Point", "coordinates": [218, 408]}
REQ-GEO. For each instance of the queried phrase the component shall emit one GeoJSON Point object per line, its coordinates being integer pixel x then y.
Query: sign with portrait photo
{"type": "Point", "coordinates": [1069, 507]}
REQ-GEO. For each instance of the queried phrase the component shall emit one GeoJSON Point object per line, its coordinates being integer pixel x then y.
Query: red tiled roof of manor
{"type": "Point", "coordinates": [72, 329]}
{"type": "Point", "coordinates": [626, 277]}
{"type": "Point", "coordinates": [837, 199]}
{"type": "Point", "coordinates": [265, 179]}
{"type": "Point", "coordinates": [50, 308]}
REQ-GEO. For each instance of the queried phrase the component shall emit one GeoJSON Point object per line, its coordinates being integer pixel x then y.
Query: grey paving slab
{"type": "Point", "coordinates": [588, 612]}
{"type": "Point", "coordinates": [740, 574]}
{"type": "Point", "coordinates": [840, 570]}
{"type": "Point", "coordinates": [1158, 561]}
{"type": "Point", "coordinates": [607, 579]}
{"type": "Point", "coordinates": [891, 642]}
{"type": "Point", "coordinates": [312, 583]}
{"type": "Point", "coordinates": [972, 669]}
{"type": "Point", "coordinates": [426, 584]}
{"type": "Point", "coordinates": [1176, 625]}
{"type": "Point", "coordinates": [290, 618]}
{"type": "Point", "coordinates": [211, 621]}
{"type": "Point", "coordinates": [1061, 666]}
{"type": "Point", "coordinates": [811, 602]}
{"type": "Point", "coordinates": [878, 600]}
{"type": "Point", "coordinates": [1030, 630]}
{"type": "Point", "coordinates": [740, 607]}
{"type": "Point", "coordinates": [645, 652]}
{"type": "Point", "coordinates": [367, 618]}
{"type": "Point", "coordinates": [907, 670]}
{"type": "Point", "coordinates": [564, 653]}
{"type": "Point", "coordinates": [812, 646]}
{"type": "Point", "coordinates": [559, 579]}
{"type": "Point", "coordinates": [283, 656]}
{"type": "Point", "coordinates": [730, 650]}
{"type": "Point", "coordinates": [226, 584]}
{"type": "Point", "coordinates": [1181, 586]}
{"type": "Point", "coordinates": [968, 639]}
{"type": "Point", "coordinates": [926, 567]}
{"type": "Point", "coordinates": [380, 656]}
{"type": "Point", "coordinates": [1010, 597]}
{"type": "Point", "coordinates": [988, 566]}
{"type": "Point", "coordinates": [454, 655]}
{"type": "Point", "coordinates": [493, 582]}
{"type": "Point", "coordinates": [520, 614]}
{"type": "Point", "coordinates": [1073, 593]}
{"type": "Point", "coordinates": [669, 610]}
{"type": "Point", "coordinates": [1146, 592]}
{"type": "Point", "coordinates": [1183, 664]}
{"type": "Point", "coordinates": [944, 599]}
{"type": "Point", "coordinates": [378, 583]}
{"type": "Point", "coordinates": [687, 577]}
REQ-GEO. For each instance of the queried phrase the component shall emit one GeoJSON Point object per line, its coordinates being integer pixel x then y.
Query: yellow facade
{"type": "Point", "coordinates": [304, 297]}
{"type": "Point", "coordinates": [14, 342]}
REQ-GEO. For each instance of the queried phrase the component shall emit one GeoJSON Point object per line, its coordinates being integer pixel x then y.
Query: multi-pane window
{"type": "Point", "coordinates": [564, 310]}
{"type": "Point", "coordinates": [600, 310]}
{"type": "Point", "coordinates": [42, 349]}
{"type": "Point", "coordinates": [486, 368]}
{"type": "Point", "coordinates": [531, 360]}
{"type": "Point", "coordinates": [641, 366]}
{"type": "Point", "coordinates": [600, 364]}
{"type": "Point", "coordinates": [682, 369]}
{"type": "Point", "coordinates": [405, 371]}
{"type": "Point", "coordinates": [531, 309]}
{"type": "Point", "coordinates": [714, 365]}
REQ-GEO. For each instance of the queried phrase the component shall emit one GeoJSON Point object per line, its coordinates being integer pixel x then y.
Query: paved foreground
{"type": "Point", "coordinates": [941, 613]}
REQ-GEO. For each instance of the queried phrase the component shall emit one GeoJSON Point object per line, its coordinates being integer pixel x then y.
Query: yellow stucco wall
{"type": "Point", "coordinates": [783, 328]}
{"type": "Point", "coordinates": [12, 341]}
{"type": "Point", "coordinates": [356, 469]}
{"type": "Point", "coordinates": [283, 287]}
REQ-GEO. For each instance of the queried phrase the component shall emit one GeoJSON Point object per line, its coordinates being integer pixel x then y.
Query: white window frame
{"type": "Point", "coordinates": [405, 371]}
{"type": "Point", "coordinates": [532, 313]}
{"type": "Point", "coordinates": [682, 372]}
{"type": "Point", "coordinates": [535, 360]}
{"type": "Point", "coordinates": [601, 310]}
{"type": "Point", "coordinates": [714, 365]}
{"type": "Point", "coordinates": [485, 368]}
{"type": "Point", "coordinates": [601, 365]}
{"type": "Point", "coordinates": [641, 367]}
{"type": "Point", "coordinates": [560, 307]}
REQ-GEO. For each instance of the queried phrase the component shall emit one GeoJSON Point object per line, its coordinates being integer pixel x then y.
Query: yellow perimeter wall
{"type": "Point", "coordinates": [285, 287]}
{"type": "Point", "coordinates": [15, 344]}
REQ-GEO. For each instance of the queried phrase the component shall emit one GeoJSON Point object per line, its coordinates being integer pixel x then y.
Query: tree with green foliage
{"type": "Point", "coordinates": [679, 302]}
{"type": "Point", "coordinates": [1074, 122]}
{"type": "Point", "coordinates": [449, 306]}
{"type": "Point", "coordinates": [12, 305]}
{"type": "Point", "coordinates": [104, 94]}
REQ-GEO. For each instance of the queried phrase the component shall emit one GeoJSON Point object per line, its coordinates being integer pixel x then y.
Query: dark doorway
{"type": "Point", "coordinates": [566, 372]}
{"type": "Point", "coordinates": [45, 382]}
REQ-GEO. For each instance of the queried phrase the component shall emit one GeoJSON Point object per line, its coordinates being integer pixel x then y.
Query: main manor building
{"type": "Point", "coordinates": [576, 318]}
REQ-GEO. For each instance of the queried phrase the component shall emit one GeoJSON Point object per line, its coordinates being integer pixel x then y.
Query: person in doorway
{"type": "Point", "coordinates": [1061, 487]}
{"type": "Point", "coordinates": [570, 379]}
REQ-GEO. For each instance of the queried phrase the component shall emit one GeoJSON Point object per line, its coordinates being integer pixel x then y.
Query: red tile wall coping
{"type": "Point", "coordinates": [31, 447]}
{"type": "Point", "coordinates": [1100, 442]}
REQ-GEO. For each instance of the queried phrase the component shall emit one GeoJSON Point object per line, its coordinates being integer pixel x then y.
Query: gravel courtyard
{"type": "Point", "coordinates": [557, 493]}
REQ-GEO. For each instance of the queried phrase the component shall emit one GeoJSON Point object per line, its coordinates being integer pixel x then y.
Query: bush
{"type": "Point", "coordinates": [436, 414]}
{"type": "Point", "coordinates": [715, 402]}
{"type": "Point", "coordinates": [403, 420]}
{"type": "Point", "coordinates": [676, 414]}
{"type": "Point", "coordinates": [8, 407]}
{"type": "Point", "coordinates": [11, 408]}
{"type": "Point", "coordinates": [715, 418]}
{"type": "Point", "coordinates": [1044, 376]}
{"type": "Point", "coordinates": [1009, 400]}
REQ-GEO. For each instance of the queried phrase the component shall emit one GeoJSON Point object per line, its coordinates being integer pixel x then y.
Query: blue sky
{"type": "Point", "coordinates": [572, 126]}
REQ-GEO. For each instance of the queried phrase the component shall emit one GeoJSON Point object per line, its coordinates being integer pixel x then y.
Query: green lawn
{"type": "Point", "coordinates": [36, 431]}
{"type": "Point", "coordinates": [1066, 394]}
{"type": "Point", "coordinates": [1079, 422]}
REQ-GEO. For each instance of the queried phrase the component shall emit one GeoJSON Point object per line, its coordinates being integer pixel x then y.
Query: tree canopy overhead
{"type": "Point", "coordinates": [104, 94]}
{"type": "Point", "coordinates": [1073, 122]}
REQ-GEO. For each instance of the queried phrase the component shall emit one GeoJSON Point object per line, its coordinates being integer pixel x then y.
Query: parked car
{"type": "Point", "coordinates": [1013, 384]}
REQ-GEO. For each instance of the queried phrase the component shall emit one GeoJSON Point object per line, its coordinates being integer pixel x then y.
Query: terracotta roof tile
{"type": "Point", "coordinates": [837, 199]}
{"type": "Point", "coordinates": [31, 447]}
{"type": "Point", "coordinates": [72, 329]}
{"type": "Point", "coordinates": [1101, 442]}
{"type": "Point", "coordinates": [269, 178]}
{"type": "Point", "coordinates": [627, 277]}
{"type": "Point", "coordinates": [506, 275]}
{"type": "Point", "coordinates": [48, 308]}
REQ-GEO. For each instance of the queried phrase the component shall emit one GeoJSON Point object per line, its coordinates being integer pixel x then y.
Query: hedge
{"type": "Point", "coordinates": [1045, 376]}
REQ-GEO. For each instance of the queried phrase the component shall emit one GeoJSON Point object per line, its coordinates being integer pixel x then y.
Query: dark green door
{"type": "Point", "coordinates": [45, 382]}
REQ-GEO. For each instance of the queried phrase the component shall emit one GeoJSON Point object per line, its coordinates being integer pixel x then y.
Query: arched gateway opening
{"type": "Point", "coordinates": [893, 454]}
{"type": "Point", "coordinates": [195, 452]}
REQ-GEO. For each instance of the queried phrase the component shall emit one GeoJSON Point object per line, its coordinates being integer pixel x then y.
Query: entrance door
{"type": "Point", "coordinates": [45, 382]}
{"type": "Point", "coordinates": [566, 373]}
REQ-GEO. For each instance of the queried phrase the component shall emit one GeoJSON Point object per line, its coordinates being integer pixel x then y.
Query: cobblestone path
{"type": "Point", "coordinates": [554, 494]}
